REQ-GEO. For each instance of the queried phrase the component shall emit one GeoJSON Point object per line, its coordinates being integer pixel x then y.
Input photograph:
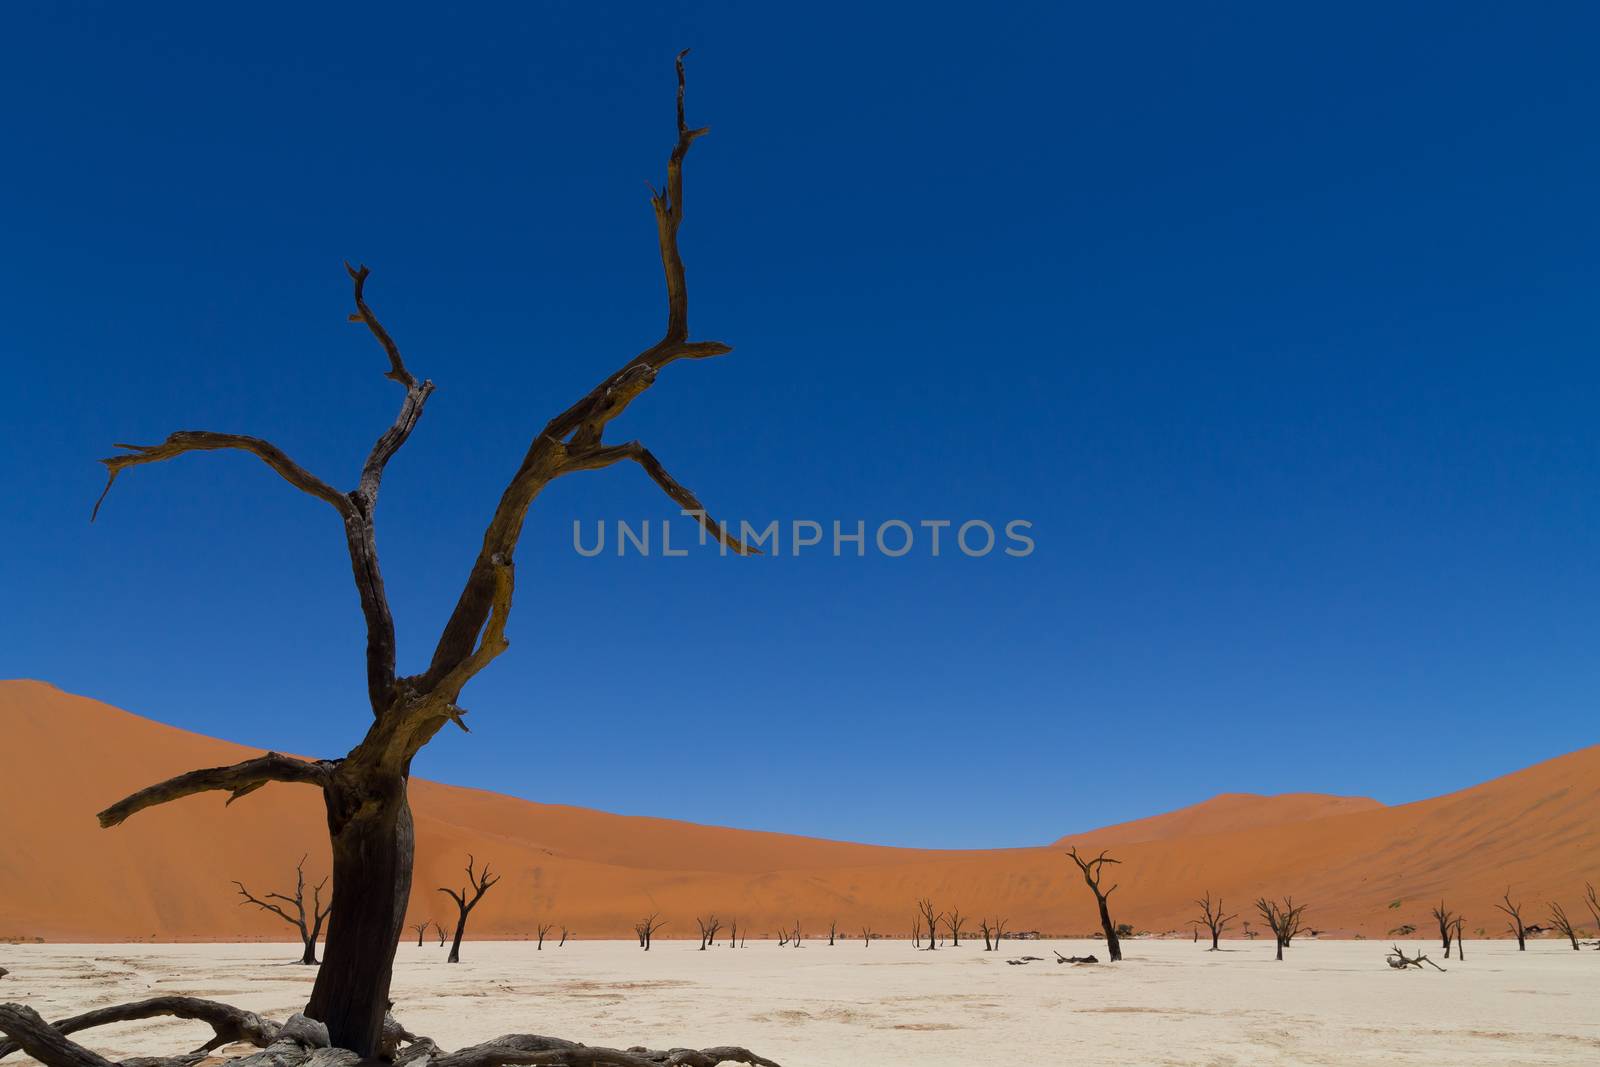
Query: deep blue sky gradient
{"type": "Point", "coordinates": [1277, 322]}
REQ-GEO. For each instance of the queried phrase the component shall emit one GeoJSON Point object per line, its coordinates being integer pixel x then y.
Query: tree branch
{"type": "Point", "coordinates": [596, 458]}
{"type": "Point", "coordinates": [584, 423]}
{"type": "Point", "coordinates": [229, 1023]}
{"type": "Point", "coordinates": [184, 441]}
{"type": "Point", "coordinates": [237, 780]}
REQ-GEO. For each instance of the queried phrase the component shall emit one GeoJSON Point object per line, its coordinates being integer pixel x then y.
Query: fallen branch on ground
{"type": "Point", "coordinates": [1400, 961]}
{"type": "Point", "coordinates": [303, 1042]}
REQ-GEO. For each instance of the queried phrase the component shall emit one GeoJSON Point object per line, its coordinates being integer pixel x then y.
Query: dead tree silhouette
{"type": "Point", "coordinates": [365, 792]}
{"type": "Point", "coordinates": [1284, 919]}
{"type": "Point", "coordinates": [1562, 924]}
{"type": "Point", "coordinates": [708, 930]}
{"type": "Point", "coordinates": [479, 884]}
{"type": "Point", "coordinates": [1461, 939]}
{"type": "Point", "coordinates": [1514, 910]}
{"type": "Point", "coordinates": [991, 930]}
{"type": "Point", "coordinates": [866, 936]}
{"type": "Point", "coordinates": [542, 928]}
{"type": "Point", "coordinates": [562, 943]}
{"type": "Point", "coordinates": [1091, 877]}
{"type": "Point", "coordinates": [443, 933]}
{"type": "Point", "coordinates": [310, 926]}
{"type": "Point", "coordinates": [1212, 918]}
{"type": "Point", "coordinates": [931, 917]}
{"type": "Point", "coordinates": [953, 922]}
{"type": "Point", "coordinates": [1446, 920]}
{"type": "Point", "coordinates": [422, 930]}
{"type": "Point", "coordinates": [833, 930]}
{"type": "Point", "coordinates": [647, 928]}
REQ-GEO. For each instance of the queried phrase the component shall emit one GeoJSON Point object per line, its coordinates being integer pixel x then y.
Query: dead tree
{"type": "Point", "coordinates": [1446, 920]}
{"type": "Point", "coordinates": [543, 928]}
{"type": "Point", "coordinates": [991, 930]}
{"type": "Point", "coordinates": [563, 941]}
{"type": "Point", "coordinates": [310, 926]}
{"type": "Point", "coordinates": [1593, 904]}
{"type": "Point", "coordinates": [931, 917]}
{"type": "Point", "coordinates": [1562, 924]}
{"type": "Point", "coordinates": [1091, 877]}
{"type": "Point", "coordinates": [866, 936]}
{"type": "Point", "coordinates": [795, 938]}
{"type": "Point", "coordinates": [733, 933]}
{"type": "Point", "coordinates": [708, 930]}
{"type": "Point", "coordinates": [953, 921]}
{"type": "Point", "coordinates": [1212, 918]}
{"type": "Point", "coordinates": [916, 933]}
{"type": "Point", "coordinates": [1284, 919]}
{"type": "Point", "coordinates": [1461, 939]}
{"type": "Point", "coordinates": [422, 930]}
{"type": "Point", "coordinates": [1514, 911]}
{"type": "Point", "coordinates": [833, 930]}
{"type": "Point", "coordinates": [443, 933]}
{"type": "Point", "coordinates": [647, 928]}
{"type": "Point", "coordinates": [479, 884]}
{"type": "Point", "coordinates": [1400, 961]}
{"type": "Point", "coordinates": [365, 792]}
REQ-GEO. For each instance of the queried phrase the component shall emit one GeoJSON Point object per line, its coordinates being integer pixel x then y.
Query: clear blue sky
{"type": "Point", "coordinates": [1279, 324]}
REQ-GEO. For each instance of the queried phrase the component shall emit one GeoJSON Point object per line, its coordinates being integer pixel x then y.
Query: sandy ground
{"type": "Point", "coordinates": [1170, 1002]}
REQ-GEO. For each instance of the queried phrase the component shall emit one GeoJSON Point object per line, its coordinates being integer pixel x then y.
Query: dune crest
{"type": "Point", "coordinates": [167, 874]}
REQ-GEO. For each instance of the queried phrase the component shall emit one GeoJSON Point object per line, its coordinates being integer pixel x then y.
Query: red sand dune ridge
{"type": "Point", "coordinates": [166, 874]}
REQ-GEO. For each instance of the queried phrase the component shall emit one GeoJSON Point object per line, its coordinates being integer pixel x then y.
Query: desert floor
{"type": "Point", "coordinates": [1169, 1002]}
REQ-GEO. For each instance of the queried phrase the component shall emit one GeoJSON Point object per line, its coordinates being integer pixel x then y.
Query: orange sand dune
{"type": "Point", "coordinates": [1229, 811]}
{"type": "Point", "coordinates": [166, 873]}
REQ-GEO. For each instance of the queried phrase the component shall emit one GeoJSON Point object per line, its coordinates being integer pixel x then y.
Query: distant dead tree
{"type": "Point", "coordinates": [1562, 924]}
{"type": "Point", "coordinates": [1091, 877]}
{"type": "Point", "coordinates": [543, 928]}
{"type": "Point", "coordinates": [422, 930]}
{"type": "Point", "coordinates": [1461, 939]}
{"type": "Point", "coordinates": [796, 937]}
{"type": "Point", "coordinates": [1212, 918]}
{"type": "Point", "coordinates": [1447, 921]}
{"type": "Point", "coordinates": [1400, 961]}
{"type": "Point", "coordinates": [866, 936]}
{"type": "Point", "coordinates": [833, 929]}
{"type": "Point", "coordinates": [991, 930]}
{"type": "Point", "coordinates": [953, 921]}
{"type": "Point", "coordinates": [931, 917]}
{"type": "Point", "coordinates": [310, 927]}
{"type": "Point", "coordinates": [1593, 905]}
{"type": "Point", "coordinates": [708, 930]}
{"type": "Point", "coordinates": [1284, 919]}
{"type": "Point", "coordinates": [443, 933]}
{"type": "Point", "coordinates": [916, 933]}
{"type": "Point", "coordinates": [783, 938]}
{"type": "Point", "coordinates": [647, 928]}
{"type": "Point", "coordinates": [479, 883]}
{"type": "Point", "coordinates": [563, 941]}
{"type": "Point", "coordinates": [1514, 910]}
{"type": "Point", "coordinates": [733, 933]}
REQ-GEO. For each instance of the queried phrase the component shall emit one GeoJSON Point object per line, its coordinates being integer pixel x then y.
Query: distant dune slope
{"type": "Point", "coordinates": [167, 872]}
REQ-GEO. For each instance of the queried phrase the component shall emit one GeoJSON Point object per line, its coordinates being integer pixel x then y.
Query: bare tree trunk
{"type": "Point", "coordinates": [373, 846]}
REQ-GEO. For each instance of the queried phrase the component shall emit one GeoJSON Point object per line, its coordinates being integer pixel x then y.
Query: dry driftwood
{"type": "Point", "coordinates": [1400, 961]}
{"type": "Point", "coordinates": [302, 1042]}
{"type": "Point", "coordinates": [1076, 959]}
